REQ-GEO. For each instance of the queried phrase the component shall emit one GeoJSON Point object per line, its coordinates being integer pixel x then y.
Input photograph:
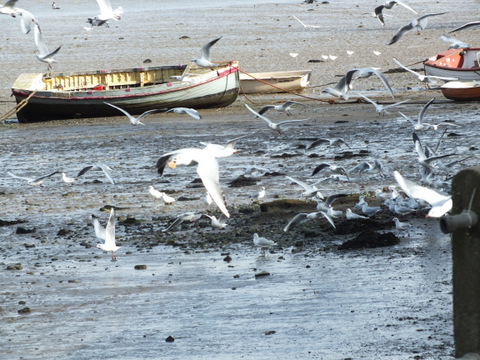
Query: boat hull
{"type": "Point", "coordinates": [461, 91]}
{"type": "Point", "coordinates": [217, 88]}
{"type": "Point", "coordinates": [274, 82]}
{"type": "Point", "coordinates": [462, 64]}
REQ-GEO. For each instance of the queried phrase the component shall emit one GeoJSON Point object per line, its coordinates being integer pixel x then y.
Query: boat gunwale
{"type": "Point", "coordinates": [228, 69]}
{"type": "Point", "coordinates": [67, 95]}
{"type": "Point", "coordinates": [432, 63]}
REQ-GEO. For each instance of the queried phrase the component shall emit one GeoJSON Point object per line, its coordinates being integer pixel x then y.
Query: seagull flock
{"type": "Point", "coordinates": [405, 197]}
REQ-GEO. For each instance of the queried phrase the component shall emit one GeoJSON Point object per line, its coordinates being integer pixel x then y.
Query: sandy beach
{"type": "Point", "coordinates": [203, 293]}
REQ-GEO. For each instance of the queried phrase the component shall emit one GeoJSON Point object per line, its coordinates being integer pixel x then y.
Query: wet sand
{"type": "Point", "coordinates": [318, 301]}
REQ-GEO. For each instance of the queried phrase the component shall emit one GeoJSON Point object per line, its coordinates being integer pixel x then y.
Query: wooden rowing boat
{"type": "Point", "coordinates": [80, 95]}
{"type": "Point", "coordinates": [274, 82]}
{"type": "Point", "coordinates": [462, 64]}
{"type": "Point", "coordinates": [461, 90]}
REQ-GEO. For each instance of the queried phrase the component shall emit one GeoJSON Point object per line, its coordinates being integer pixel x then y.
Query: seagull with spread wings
{"type": "Point", "coordinates": [107, 234]}
{"type": "Point", "coordinates": [207, 169]}
{"type": "Point", "coordinates": [418, 24]}
{"type": "Point", "coordinates": [274, 126]}
{"type": "Point", "coordinates": [204, 60]}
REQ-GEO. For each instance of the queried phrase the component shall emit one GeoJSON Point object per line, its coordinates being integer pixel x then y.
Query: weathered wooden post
{"type": "Point", "coordinates": [462, 223]}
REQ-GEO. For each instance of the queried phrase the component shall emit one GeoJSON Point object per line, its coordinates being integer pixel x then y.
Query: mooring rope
{"type": "Point", "coordinates": [276, 87]}
{"type": "Point", "coordinates": [17, 107]}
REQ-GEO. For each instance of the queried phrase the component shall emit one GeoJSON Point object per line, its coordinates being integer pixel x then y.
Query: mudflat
{"type": "Point", "coordinates": [208, 291]}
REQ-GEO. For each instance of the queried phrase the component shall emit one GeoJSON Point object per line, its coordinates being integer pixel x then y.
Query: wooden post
{"type": "Point", "coordinates": [466, 263]}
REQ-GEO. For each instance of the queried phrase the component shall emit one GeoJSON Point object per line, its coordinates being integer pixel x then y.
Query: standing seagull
{"type": "Point", "coordinates": [204, 60]}
{"type": "Point", "coordinates": [259, 195]}
{"type": "Point", "coordinates": [167, 200]}
{"type": "Point", "coordinates": [107, 234]}
{"type": "Point", "coordinates": [134, 120]}
{"type": "Point", "coordinates": [399, 225]}
{"type": "Point", "coordinates": [271, 124]}
{"type": "Point", "coordinates": [263, 243]}
{"type": "Point", "coordinates": [418, 24]}
{"type": "Point", "coordinates": [106, 13]}
{"type": "Point", "coordinates": [207, 169]}
{"type": "Point", "coordinates": [285, 107]}
{"type": "Point", "coordinates": [43, 54]}
{"type": "Point", "coordinates": [350, 215]}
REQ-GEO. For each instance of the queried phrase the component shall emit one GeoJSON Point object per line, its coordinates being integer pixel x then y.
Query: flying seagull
{"type": "Point", "coordinates": [220, 151]}
{"type": "Point", "coordinates": [454, 43]}
{"type": "Point", "coordinates": [285, 107]}
{"type": "Point", "coordinates": [43, 54]}
{"type": "Point", "coordinates": [183, 110]}
{"type": "Point", "coordinates": [427, 79]}
{"type": "Point", "coordinates": [466, 26]}
{"type": "Point", "coordinates": [204, 60]}
{"type": "Point", "coordinates": [305, 25]}
{"type": "Point", "coordinates": [106, 170]}
{"type": "Point", "coordinates": [382, 108]}
{"type": "Point", "coordinates": [134, 120]}
{"type": "Point", "coordinates": [389, 5]}
{"type": "Point", "coordinates": [274, 126]}
{"type": "Point", "coordinates": [304, 217]}
{"type": "Point", "coordinates": [33, 181]}
{"type": "Point", "coordinates": [106, 13]}
{"type": "Point", "coordinates": [418, 24]}
{"type": "Point", "coordinates": [419, 125]}
{"type": "Point", "coordinates": [441, 204]}
{"type": "Point", "coordinates": [207, 169]}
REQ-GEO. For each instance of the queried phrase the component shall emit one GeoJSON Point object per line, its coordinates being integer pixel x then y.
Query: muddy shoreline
{"type": "Point", "coordinates": [63, 298]}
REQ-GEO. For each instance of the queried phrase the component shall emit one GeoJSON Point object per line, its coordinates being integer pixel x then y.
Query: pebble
{"type": "Point", "coordinates": [262, 273]}
{"type": "Point", "coordinates": [16, 266]}
{"type": "Point", "coordinates": [170, 339]}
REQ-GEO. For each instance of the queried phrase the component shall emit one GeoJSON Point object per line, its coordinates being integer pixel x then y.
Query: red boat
{"type": "Point", "coordinates": [462, 64]}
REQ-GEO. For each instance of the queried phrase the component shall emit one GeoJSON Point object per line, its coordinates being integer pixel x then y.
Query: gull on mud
{"type": "Point", "coordinates": [107, 234]}
{"type": "Point", "coordinates": [263, 243]}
